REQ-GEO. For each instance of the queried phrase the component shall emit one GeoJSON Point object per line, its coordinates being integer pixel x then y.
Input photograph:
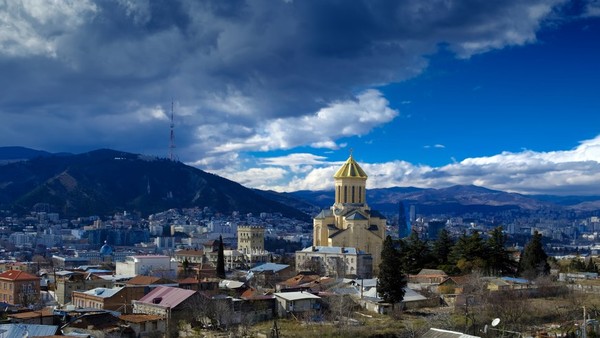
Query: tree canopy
{"type": "Point", "coordinates": [391, 280]}
{"type": "Point", "coordinates": [533, 261]}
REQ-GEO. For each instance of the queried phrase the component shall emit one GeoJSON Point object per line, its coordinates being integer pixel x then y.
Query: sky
{"type": "Point", "coordinates": [276, 94]}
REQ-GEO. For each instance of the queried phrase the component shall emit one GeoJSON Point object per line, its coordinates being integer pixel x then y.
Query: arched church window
{"type": "Point", "coordinates": [352, 194]}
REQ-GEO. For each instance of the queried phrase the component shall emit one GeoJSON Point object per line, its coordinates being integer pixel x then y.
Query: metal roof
{"type": "Point", "coordinates": [350, 169]}
{"type": "Point", "coordinates": [27, 330]}
{"type": "Point", "coordinates": [166, 296]}
{"type": "Point", "coordinates": [274, 267]}
{"type": "Point", "coordinates": [299, 295]}
{"type": "Point", "coordinates": [332, 250]}
{"type": "Point", "coordinates": [103, 292]}
{"type": "Point", "coordinates": [439, 333]}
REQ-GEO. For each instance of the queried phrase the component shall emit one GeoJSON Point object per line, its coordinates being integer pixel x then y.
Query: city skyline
{"type": "Point", "coordinates": [274, 95]}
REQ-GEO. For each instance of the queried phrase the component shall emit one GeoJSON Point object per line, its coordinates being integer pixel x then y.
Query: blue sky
{"type": "Point", "coordinates": [274, 94]}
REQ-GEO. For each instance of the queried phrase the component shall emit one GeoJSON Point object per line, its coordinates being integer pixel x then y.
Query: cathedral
{"type": "Point", "coordinates": [350, 222]}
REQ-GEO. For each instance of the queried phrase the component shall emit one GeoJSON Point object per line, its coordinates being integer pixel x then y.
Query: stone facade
{"type": "Point", "coordinates": [350, 222]}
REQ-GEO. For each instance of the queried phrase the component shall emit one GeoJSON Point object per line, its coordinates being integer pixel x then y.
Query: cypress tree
{"type": "Point", "coordinates": [221, 260]}
{"type": "Point", "coordinates": [533, 261]}
{"type": "Point", "coordinates": [391, 280]}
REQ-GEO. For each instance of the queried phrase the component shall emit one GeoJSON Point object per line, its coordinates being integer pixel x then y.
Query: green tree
{"type": "Point", "coordinates": [469, 253]}
{"type": "Point", "coordinates": [499, 262]}
{"type": "Point", "coordinates": [414, 254]}
{"type": "Point", "coordinates": [442, 248]}
{"type": "Point", "coordinates": [533, 261]}
{"type": "Point", "coordinates": [591, 266]}
{"type": "Point", "coordinates": [221, 259]}
{"type": "Point", "coordinates": [391, 282]}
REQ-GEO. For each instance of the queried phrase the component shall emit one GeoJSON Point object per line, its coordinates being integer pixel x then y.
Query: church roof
{"type": "Point", "coordinates": [350, 169]}
{"type": "Point", "coordinates": [356, 216]}
{"type": "Point", "coordinates": [324, 213]}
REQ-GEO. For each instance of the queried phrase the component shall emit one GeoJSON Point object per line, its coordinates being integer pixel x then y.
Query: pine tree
{"type": "Point", "coordinates": [442, 248]}
{"type": "Point", "coordinates": [391, 281]}
{"type": "Point", "coordinates": [533, 261]}
{"type": "Point", "coordinates": [221, 260]}
{"type": "Point", "coordinates": [498, 258]}
{"type": "Point", "coordinates": [469, 253]}
{"type": "Point", "coordinates": [415, 254]}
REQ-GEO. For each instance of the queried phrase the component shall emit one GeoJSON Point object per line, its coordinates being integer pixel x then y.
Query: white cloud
{"type": "Point", "coordinates": [340, 119]}
{"type": "Point", "coordinates": [575, 171]}
{"type": "Point", "coordinates": [31, 27]}
{"type": "Point", "coordinates": [261, 178]}
{"type": "Point", "coordinates": [592, 8]}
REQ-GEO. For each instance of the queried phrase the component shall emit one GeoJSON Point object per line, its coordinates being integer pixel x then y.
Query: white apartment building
{"type": "Point", "coordinates": [157, 265]}
{"type": "Point", "coordinates": [336, 261]}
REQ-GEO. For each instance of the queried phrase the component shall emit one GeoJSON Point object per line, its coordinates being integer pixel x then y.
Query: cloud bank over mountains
{"type": "Point", "coordinates": [256, 76]}
{"type": "Point", "coordinates": [528, 172]}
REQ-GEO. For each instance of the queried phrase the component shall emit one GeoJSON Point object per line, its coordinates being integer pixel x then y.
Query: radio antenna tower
{"type": "Point", "coordinates": [172, 137]}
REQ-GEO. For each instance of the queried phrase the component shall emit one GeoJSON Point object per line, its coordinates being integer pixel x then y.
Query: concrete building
{"type": "Point", "coordinates": [335, 261]}
{"type": "Point", "coordinates": [251, 238]}
{"type": "Point", "coordinates": [160, 266]}
{"type": "Point", "coordinates": [350, 222]}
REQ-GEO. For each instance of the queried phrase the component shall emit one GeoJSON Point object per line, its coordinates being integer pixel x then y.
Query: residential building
{"type": "Point", "coordinates": [335, 261]}
{"type": "Point", "coordinates": [69, 281]}
{"type": "Point", "coordinates": [101, 298]}
{"type": "Point", "coordinates": [151, 265]}
{"type": "Point", "coordinates": [269, 274]}
{"type": "Point", "coordinates": [144, 325]}
{"type": "Point", "coordinates": [350, 222]}
{"type": "Point", "coordinates": [19, 287]}
{"type": "Point", "coordinates": [296, 303]}
{"type": "Point", "coordinates": [168, 302]}
{"type": "Point", "coordinates": [192, 256]}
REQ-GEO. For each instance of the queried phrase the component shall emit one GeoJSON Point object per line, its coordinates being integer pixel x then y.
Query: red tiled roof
{"type": "Point", "coordinates": [148, 280]}
{"type": "Point", "coordinates": [189, 280]}
{"type": "Point", "coordinates": [300, 279]}
{"type": "Point", "coordinates": [32, 314]}
{"type": "Point", "coordinates": [15, 275]}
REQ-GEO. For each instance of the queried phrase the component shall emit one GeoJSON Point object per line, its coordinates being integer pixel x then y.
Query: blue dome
{"type": "Point", "coordinates": [106, 250]}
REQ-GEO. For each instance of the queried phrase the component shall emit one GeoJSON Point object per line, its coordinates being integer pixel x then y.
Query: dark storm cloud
{"type": "Point", "coordinates": [85, 74]}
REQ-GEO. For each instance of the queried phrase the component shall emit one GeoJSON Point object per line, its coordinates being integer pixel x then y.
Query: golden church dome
{"type": "Point", "coordinates": [350, 169]}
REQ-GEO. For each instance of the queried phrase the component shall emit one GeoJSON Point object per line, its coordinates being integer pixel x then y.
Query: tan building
{"type": "Point", "coordinates": [19, 288]}
{"type": "Point", "coordinates": [251, 238]}
{"type": "Point", "coordinates": [69, 281]}
{"type": "Point", "coordinates": [350, 222]}
{"type": "Point", "coordinates": [114, 299]}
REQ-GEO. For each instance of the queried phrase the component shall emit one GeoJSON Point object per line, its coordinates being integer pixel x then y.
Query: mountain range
{"type": "Point", "coordinates": [105, 181]}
